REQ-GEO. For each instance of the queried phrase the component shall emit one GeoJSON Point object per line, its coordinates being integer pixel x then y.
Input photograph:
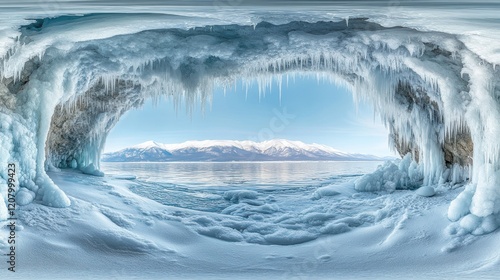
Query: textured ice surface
{"type": "Point", "coordinates": [279, 214]}
{"type": "Point", "coordinates": [64, 87]}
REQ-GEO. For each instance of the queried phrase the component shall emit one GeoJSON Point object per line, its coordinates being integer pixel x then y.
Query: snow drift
{"type": "Point", "coordinates": [63, 90]}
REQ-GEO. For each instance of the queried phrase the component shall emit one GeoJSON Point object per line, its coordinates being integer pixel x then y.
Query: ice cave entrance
{"type": "Point", "coordinates": [436, 96]}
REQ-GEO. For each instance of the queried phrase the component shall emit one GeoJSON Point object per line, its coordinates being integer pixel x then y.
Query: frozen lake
{"type": "Point", "coordinates": [257, 202]}
{"type": "Point", "coordinates": [267, 175]}
{"type": "Point", "coordinates": [215, 186]}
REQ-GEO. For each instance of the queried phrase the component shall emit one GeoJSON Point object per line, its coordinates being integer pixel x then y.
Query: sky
{"type": "Point", "coordinates": [310, 111]}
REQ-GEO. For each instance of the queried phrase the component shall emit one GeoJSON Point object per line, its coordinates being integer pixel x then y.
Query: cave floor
{"type": "Point", "coordinates": [110, 232]}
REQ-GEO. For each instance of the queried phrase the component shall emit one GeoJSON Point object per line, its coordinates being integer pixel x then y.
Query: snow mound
{"type": "Point", "coordinates": [24, 196]}
{"type": "Point", "coordinates": [91, 169]}
{"type": "Point", "coordinates": [333, 190]}
{"type": "Point", "coordinates": [237, 196]}
{"type": "Point", "coordinates": [426, 191]}
{"type": "Point", "coordinates": [471, 223]}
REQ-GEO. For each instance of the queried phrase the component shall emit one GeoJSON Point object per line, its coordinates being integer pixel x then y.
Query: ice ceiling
{"type": "Point", "coordinates": [67, 80]}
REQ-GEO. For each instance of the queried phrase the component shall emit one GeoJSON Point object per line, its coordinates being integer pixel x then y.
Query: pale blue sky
{"type": "Point", "coordinates": [309, 111]}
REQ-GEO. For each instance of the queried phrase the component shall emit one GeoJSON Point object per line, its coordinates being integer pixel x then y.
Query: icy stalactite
{"type": "Point", "coordinates": [426, 86]}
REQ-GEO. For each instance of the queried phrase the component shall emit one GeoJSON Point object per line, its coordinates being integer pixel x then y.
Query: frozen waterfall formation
{"type": "Point", "coordinates": [62, 92]}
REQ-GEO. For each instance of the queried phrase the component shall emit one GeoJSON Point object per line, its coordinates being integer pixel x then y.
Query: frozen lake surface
{"type": "Point", "coordinates": [227, 175]}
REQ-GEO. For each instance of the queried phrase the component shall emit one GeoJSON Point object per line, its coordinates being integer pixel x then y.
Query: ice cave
{"type": "Point", "coordinates": [62, 90]}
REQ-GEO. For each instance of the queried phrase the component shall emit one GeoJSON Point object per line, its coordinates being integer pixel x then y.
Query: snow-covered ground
{"type": "Point", "coordinates": [109, 232]}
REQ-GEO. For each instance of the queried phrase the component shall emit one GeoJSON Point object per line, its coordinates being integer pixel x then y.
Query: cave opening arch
{"type": "Point", "coordinates": [425, 85]}
{"type": "Point", "coordinates": [242, 113]}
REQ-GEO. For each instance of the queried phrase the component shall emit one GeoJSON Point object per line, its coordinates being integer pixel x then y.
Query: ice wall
{"type": "Point", "coordinates": [61, 93]}
{"type": "Point", "coordinates": [79, 128]}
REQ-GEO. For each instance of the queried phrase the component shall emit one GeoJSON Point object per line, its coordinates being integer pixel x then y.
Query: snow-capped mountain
{"type": "Point", "coordinates": [226, 150]}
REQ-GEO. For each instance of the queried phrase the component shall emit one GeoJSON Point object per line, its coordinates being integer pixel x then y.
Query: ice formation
{"type": "Point", "coordinates": [391, 176]}
{"type": "Point", "coordinates": [63, 90]}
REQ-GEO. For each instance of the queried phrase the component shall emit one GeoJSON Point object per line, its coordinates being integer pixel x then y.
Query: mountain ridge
{"type": "Point", "coordinates": [232, 150]}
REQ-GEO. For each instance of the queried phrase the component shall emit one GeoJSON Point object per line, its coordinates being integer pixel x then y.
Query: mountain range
{"type": "Point", "coordinates": [227, 150]}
